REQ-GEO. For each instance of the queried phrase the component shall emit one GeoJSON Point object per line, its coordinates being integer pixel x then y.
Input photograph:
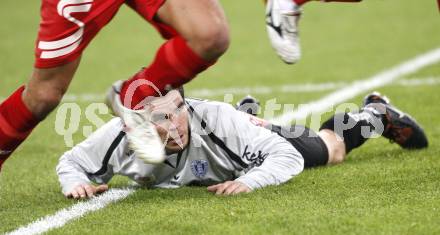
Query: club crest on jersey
{"type": "Point", "coordinates": [199, 168]}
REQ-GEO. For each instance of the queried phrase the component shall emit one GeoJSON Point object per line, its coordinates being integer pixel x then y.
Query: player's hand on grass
{"type": "Point", "coordinates": [229, 188]}
{"type": "Point", "coordinates": [86, 191]}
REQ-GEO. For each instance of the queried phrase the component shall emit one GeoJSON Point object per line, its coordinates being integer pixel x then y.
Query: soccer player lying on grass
{"type": "Point", "coordinates": [230, 151]}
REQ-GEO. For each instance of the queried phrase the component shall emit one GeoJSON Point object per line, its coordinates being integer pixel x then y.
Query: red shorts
{"type": "Point", "coordinates": [68, 26]}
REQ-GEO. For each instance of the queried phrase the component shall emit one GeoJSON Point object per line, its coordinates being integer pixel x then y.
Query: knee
{"type": "Point", "coordinates": [335, 146]}
{"type": "Point", "coordinates": [212, 42]}
{"type": "Point", "coordinates": [336, 156]}
{"type": "Point", "coordinates": [218, 41]}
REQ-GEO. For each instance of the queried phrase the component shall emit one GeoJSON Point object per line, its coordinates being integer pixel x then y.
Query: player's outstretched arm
{"type": "Point", "coordinates": [86, 191]}
{"type": "Point", "coordinates": [229, 188]}
{"type": "Point", "coordinates": [75, 171]}
{"type": "Point", "coordinates": [92, 160]}
{"type": "Point", "coordinates": [269, 158]}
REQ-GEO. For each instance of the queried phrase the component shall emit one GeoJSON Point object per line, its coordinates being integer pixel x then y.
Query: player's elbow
{"type": "Point", "coordinates": [291, 166]}
{"type": "Point", "coordinates": [296, 164]}
{"type": "Point", "coordinates": [62, 162]}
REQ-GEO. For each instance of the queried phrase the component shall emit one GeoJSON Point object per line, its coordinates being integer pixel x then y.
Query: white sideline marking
{"type": "Point", "coordinates": [360, 87]}
{"type": "Point", "coordinates": [287, 88]}
{"type": "Point", "coordinates": [307, 87]}
{"type": "Point", "coordinates": [78, 210]}
{"type": "Point", "coordinates": [205, 93]}
{"type": "Point", "coordinates": [420, 81]}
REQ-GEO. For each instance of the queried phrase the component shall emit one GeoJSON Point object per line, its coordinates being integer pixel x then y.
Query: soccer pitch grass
{"type": "Point", "coordinates": [380, 189]}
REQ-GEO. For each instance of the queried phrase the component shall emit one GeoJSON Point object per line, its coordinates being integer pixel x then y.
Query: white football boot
{"type": "Point", "coordinates": [142, 135]}
{"type": "Point", "coordinates": [282, 18]}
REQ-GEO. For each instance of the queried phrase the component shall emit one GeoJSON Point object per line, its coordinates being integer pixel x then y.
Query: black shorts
{"type": "Point", "coordinates": [307, 142]}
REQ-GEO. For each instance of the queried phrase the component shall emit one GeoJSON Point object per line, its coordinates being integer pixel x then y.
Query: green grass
{"type": "Point", "coordinates": [380, 189]}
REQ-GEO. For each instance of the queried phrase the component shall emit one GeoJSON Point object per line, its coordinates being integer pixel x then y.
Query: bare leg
{"type": "Point", "coordinates": [21, 112]}
{"type": "Point", "coordinates": [335, 146]}
{"type": "Point", "coordinates": [202, 37]}
{"type": "Point", "coordinates": [46, 88]}
{"type": "Point", "coordinates": [202, 23]}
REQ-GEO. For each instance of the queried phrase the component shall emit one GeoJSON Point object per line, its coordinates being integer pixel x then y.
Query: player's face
{"type": "Point", "coordinates": [170, 116]}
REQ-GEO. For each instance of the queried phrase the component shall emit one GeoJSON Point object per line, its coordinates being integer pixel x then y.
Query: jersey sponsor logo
{"type": "Point", "coordinates": [255, 158]}
{"type": "Point", "coordinates": [199, 168]}
{"type": "Point", "coordinates": [64, 46]}
{"type": "Point", "coordinates": [4, 152]}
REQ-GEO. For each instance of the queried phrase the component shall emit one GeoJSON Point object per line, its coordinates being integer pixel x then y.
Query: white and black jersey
{"type": "Point", "coordinates": [224, 145]}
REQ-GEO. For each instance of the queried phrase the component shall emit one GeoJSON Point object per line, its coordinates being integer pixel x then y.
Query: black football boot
{"type": "Point", "coordinates": [399, 126]}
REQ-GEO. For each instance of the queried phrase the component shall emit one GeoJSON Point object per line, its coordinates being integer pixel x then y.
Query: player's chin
{"type": "Point", "coordinates": [175, 147]}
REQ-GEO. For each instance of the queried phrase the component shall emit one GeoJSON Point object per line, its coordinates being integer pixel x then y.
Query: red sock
{"type": "Point", "coordinates": [175, 64]}
{"type": "Point", "coordinates": [16, 123]}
